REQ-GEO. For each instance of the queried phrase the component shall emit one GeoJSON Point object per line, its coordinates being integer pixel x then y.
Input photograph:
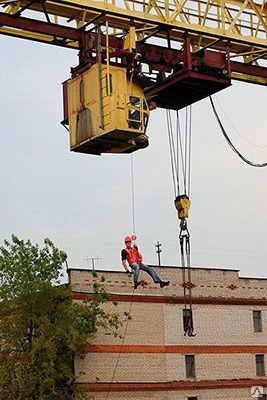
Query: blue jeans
{"type": "Point", "coordinates": [145, 268]}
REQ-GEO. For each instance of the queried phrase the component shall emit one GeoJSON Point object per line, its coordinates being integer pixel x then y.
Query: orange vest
{"type": "Point", "coordinates": [133, 256]}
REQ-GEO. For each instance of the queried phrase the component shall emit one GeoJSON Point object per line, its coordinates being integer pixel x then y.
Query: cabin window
{"type": "Point", "coordinates": [134, 113]}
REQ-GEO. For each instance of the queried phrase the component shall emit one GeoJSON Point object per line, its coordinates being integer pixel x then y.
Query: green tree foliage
{"type": "Point", "coordinates": [41, 328]}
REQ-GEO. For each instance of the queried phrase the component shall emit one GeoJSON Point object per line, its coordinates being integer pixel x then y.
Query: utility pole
{"type": "Point", "coordinates": [158, 251]}
{"type": "Point", "coordinates": [93, 259]}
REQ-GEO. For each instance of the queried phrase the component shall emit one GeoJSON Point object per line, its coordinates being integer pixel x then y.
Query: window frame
{"type": "Point", "coordinates": [259, 361]}
{"type": "Point", "coordinates": [257, 320]}
{"type": "Point", "coordinates": [190, 370]}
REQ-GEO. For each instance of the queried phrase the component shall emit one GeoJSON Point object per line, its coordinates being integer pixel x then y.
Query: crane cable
{"type": "Point", "coordinates": [121, 345]}
{"type": "Point", "coordinates": [229, 141]}
{"type": "Point", "coordinates": [180, 154]}
{"type": "Point", "coordinates": [133, 194]}
{"type": "Point", "coordinates": [131, 303]}
{"type": "Point", "coordinates": [123, 337]}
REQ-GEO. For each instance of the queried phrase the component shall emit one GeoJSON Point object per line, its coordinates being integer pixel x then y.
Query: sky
{"type": "Point", "coordinates": [83, 203]}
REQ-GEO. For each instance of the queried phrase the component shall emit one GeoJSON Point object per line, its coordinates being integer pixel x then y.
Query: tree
{"type": "Point", "coordinates": [41, 328]}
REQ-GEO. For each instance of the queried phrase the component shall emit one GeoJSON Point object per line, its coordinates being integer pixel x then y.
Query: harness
{"type": "Point", "coordinates": [133, 256]}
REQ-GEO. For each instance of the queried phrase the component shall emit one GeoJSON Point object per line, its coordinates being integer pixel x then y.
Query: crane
{"type": "Point", "coordinates": [132, 53]}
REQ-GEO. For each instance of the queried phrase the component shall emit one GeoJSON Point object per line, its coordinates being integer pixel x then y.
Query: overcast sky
{"type": "Point", "coordinates": [83, 203]}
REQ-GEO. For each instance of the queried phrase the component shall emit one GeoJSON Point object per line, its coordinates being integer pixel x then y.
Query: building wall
{"type": "Point", "coordinates": [210, 394]}
{"type": "Point", "coordinates": [148, 360]}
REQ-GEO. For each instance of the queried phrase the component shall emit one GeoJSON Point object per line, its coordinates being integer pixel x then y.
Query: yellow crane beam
{"type": "Point", "coordinates": [243, 23]}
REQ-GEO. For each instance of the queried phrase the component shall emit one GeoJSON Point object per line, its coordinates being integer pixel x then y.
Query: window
{"type": "Point", "coordinates": [257, 322]}
{"type": "Point", "coordinates": [190, 366]}
{"type": "Point", "coordinates": [137, 113]}
{"type": "Point", "coordinates": [134, 113]}
{"type": "Point", "coordinates": [260, 365]}
{"type": "Point", "coordinates": [192, 398]}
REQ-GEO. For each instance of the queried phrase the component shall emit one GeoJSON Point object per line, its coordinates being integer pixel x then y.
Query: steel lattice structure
{"type": "Point", "coordinates": [209, 23]}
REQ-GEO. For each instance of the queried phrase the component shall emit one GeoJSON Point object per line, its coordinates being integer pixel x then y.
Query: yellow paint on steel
{"type": "Point", "coordinates": [125, 111]}
{"type": "Point", "coordinates": [241, 22]}
{"type": "Point", "coordinates": [35, 36]}
{"type": "Point", "coordinates": [182, 204]}
{"type": "Point", "coordinates": [249, 78]}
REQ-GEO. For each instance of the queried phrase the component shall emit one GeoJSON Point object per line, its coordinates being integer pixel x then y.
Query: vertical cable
{"type": "Point", "coordinates": [107, 58]}
{"type": "Point", "coordinates": [189, 149]}
{"type": "Point", "coordinates": [172, 154]}
{"type": "Point", "coordinates": [177, 153]}
{"type": "Point", "coordinates": [180, 154]}
{"type": "Point", "coordinates": [180, 147]}
{"type": "Point", "coordinates": [121, 347]}
{"type": "Point", "coordinates": [186, 148]}
{"type": "Point", "coordinates": [100, 76]}
{"type": "Point", "coordinates": [127, 322]}
{"type": "Point", "coordinates": [133, 199]}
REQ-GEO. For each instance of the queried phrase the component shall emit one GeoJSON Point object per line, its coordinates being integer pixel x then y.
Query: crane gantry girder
{"type": "Point", "coordinates": [241, 22]}
{"type": "Point", "coordinates": [211, 24]}
{"type": "Point", "coordinates": [72, 37]}
{"type": "Point", "coordinates": [135, 54]}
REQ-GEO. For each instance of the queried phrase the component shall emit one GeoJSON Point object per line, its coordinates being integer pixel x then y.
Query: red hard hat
{"type": "Point", "coordinates": [127, 239]}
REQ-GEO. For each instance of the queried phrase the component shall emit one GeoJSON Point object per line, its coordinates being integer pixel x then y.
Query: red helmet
{"type": "Point", "coordinates": [127, 239]}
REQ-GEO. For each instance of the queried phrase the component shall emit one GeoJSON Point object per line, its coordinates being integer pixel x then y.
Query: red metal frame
{"type": "Point", "coordinates": [183, 76]}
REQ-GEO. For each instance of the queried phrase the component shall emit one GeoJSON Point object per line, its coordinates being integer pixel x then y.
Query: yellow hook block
{"type": "Point", "coordinates": [182, 205]}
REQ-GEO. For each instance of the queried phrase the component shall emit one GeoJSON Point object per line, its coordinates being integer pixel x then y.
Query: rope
{"type": "Point", "coordinates": [122, 343]}
{"type": "Point", "coordinates": [180, 150]}
{"type": "Point", "coordinates": [183, 269]}
{"type": "Point", "coordinates": [189, 150]}
{"type": "Point", "coordinates": [188, 254]}
{"type": "Point", "coordinates": [237, 132]}
{"type": "Point", "coordinates": [175, 176]}
{"type": "Point", "coordinates": [187, 283]}
{"type": "Point", "coordinates": [180, 154]}
{"type": "Point", "coordinates": [130, 309]}
{"type": "Point", "coordinates": [230, 143]}
{"type": "Point", "coordinates": [186, 147]}
{"type": "Point", "coordinates": [133, 194]}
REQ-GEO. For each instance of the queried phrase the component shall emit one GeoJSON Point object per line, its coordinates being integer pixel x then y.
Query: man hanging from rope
{"type": "Point", "coordinates": [132, 258]}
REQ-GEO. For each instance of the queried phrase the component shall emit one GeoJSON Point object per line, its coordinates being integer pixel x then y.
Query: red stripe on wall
{"type": "Point", "coordinates": [158, 349]}
{"type": "Point", "coordinates": [175, 385]}
{"type": "Point", "coordinates": [176, 299]}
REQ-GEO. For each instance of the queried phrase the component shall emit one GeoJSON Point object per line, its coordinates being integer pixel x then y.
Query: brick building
{"type": "Point", "coordinates": [226, 360]}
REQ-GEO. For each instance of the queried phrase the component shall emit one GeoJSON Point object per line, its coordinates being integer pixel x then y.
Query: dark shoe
{"type": "Point", "coordinates": [136, 284]}
{"type": "Point", "coordinates": [162, 283]}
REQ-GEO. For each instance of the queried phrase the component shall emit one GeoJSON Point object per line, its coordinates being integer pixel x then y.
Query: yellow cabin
{"type": "Point", "coordinates": [105, 111]}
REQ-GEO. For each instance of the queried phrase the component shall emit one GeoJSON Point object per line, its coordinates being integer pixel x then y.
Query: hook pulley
{"type": "Point", "coordinates": [180, 154]}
